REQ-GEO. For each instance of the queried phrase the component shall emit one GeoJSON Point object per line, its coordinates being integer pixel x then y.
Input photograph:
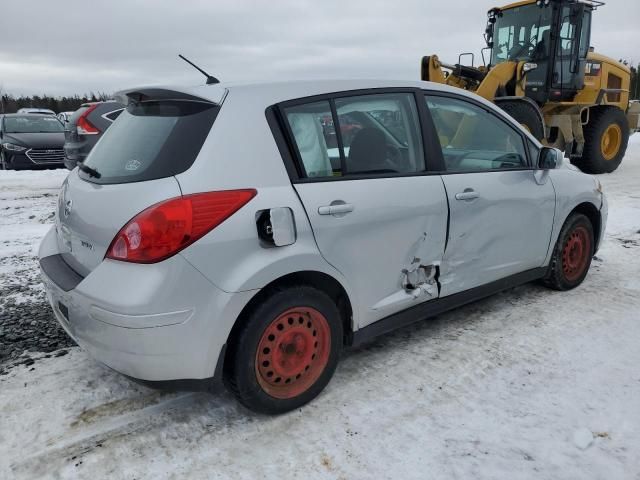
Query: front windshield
{"type": "Point", "coordinates": [522, 34]}
{"type": "Point", "coordinates": [32, 124]}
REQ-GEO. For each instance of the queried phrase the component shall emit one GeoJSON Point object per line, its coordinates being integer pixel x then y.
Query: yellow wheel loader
{"type": "Point", "coordinates": [543, 72]}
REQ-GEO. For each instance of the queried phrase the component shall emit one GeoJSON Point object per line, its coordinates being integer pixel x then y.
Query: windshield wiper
{"type": "Point", "coordinates": [92, 172]}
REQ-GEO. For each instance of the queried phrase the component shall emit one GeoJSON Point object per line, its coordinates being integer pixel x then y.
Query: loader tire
{"type": "Point", "coordinates": [424, 69]}
{"type": "Point", "coordinates": [606, 139]}
{"type": "Point", "coordinates": [526, 115]}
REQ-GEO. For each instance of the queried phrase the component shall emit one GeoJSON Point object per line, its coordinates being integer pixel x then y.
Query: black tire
{"type": "Point", "coordinates": [526, 115]}
{"type": "Point", "coordinates": [565, 272]}
{"type": "Point", "coordinates": [424, 69]}
{"type": "Point", "coordinates": [244, 374]}
{"type": "Point", "coordinates": [593, 159]}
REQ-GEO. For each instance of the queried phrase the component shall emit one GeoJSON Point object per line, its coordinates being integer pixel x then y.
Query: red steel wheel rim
{"type": "Point", "coordinates": [293, 352]}
{"type": "Point", "coordinates": [575, 254]}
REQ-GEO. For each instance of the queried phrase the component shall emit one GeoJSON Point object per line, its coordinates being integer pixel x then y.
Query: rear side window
{"type": "Point", "coordinates": [315, 137]}
{"type": "Point", "coordinates": [380, 134]}
{"type": "Point", "coordinates": [376, 134]}
{"type": "Point", "coordinates": [151, 140]}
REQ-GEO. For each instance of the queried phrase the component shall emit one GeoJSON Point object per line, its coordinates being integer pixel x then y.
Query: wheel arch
{"type": "Point", "coordinates": [319, 280]}
{"type": "Point", "coordinates": [589, 210]}
{"type": "Point", "coordinates": [587, 112]}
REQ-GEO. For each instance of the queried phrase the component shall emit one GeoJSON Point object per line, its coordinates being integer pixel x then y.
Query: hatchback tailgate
{"type": "Point", "coordinates": [90, 215]}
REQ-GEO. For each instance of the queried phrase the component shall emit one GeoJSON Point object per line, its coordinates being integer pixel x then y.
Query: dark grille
{"type": "Point", "coordinates": [46, 155]}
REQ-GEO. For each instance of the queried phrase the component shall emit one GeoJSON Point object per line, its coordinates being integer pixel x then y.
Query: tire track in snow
{"type": "Point", "coordinates": [83, 438]}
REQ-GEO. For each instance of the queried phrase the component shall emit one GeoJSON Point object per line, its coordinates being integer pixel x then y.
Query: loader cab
{"type": "Point", "coordinates": [552, 34]}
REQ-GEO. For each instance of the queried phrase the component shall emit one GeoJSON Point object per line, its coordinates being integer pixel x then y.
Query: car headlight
{"type": "Point", "coordinates": [13, 148]}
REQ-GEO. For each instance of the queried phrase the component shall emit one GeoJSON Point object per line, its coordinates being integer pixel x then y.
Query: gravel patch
{"type": "Point", "coordinates": [27, 323]}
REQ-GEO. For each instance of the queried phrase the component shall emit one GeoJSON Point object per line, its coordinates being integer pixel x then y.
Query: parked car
{"type": "Point", "coordinates": [209, 235]}
{"type": "Point", "coordinates": [85, 127]}
{"type": "Point", "coordinates": [30, 140]}
{"type": "Point", "coordinates": [36, 110]}
{"type": "Point", "coordinates": [64, 117]}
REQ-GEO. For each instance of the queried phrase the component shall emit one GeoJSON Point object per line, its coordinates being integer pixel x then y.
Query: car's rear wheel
{"type": "Point", "coordinates": [572, 254]}
{"type": "Point", "coordinates": [286, 350]}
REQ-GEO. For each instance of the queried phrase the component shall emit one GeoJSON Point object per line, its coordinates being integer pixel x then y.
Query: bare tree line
{"type": "Point", "coordinates": [11, 103]}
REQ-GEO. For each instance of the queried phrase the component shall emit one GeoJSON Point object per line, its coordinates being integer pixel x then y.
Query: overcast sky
{"type": "Point", "coordinates": [72, 46]}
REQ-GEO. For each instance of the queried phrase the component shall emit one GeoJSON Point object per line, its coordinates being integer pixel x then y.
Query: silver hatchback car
{"type": "Point", "coordinates": [247, 233]}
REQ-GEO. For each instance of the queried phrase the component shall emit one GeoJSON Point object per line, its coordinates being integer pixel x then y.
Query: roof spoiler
{"type": "Point", "coordinates": [147, 94]}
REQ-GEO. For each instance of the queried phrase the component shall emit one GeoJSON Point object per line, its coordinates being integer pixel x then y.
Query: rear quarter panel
{"type": "Point", "coordinates": [239, 153]}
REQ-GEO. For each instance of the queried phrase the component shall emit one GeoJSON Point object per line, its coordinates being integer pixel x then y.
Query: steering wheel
{"type": "Point", "coordinates": [508, 159]}
{"type": "Point", "coordinates": [518, 50]}
{"type": "Point", "coordinates": [394, 157]}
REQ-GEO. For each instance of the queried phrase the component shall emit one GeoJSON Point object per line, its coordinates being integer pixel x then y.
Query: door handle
{"type": "Point", "coordinates": [337, 209]}
{"type": "Point", "coordinates": [468, 195]}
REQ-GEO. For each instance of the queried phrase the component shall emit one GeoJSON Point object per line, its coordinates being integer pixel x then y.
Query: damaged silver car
{"type": "Point", "coordinates": [248, 233]}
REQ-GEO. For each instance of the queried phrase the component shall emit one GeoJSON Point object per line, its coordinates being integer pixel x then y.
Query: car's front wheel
{"type": "Point", "coordinates": [286, 350]}
{"type": "Point", "coordinates": [572, 254]}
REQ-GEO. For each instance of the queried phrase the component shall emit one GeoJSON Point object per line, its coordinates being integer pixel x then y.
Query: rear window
{"type": "Point", "coordinates": [151, 140]}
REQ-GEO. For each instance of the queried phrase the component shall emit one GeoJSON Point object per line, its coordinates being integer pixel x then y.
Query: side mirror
{"type": "Point", "coordinates": [550, 158]}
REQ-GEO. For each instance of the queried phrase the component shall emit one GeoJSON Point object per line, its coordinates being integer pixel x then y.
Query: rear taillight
{"type": "Point", "coordinates": [84, 126]}
{"type": "Point", "coordinates": [164, 229]}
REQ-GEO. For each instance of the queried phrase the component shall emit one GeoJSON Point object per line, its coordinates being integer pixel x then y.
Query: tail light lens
{"type": "Point", "coordinates": [166, 228]}
{"type": "Point", "coordinates": [84, 126]}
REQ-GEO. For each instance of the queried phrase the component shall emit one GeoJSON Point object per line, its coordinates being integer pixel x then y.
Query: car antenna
{"type": "Point", "coordinates": [210, 79]}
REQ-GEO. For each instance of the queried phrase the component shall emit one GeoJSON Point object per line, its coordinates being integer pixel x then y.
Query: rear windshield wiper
{"type": "Point", "coordinates": [92, 172]}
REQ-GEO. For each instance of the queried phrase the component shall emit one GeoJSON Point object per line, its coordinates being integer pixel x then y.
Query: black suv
{"type": "Point", "coordinates": [31, 141]}
{"type": "Point", "coordinates": [85, 127]}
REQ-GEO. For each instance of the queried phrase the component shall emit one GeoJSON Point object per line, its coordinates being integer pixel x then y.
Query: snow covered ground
{"type": "Point", "coordinates": [527, 384]}
{"type": "Point", "coordinates": [27, 200]}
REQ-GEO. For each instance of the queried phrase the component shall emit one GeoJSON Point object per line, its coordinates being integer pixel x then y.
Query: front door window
{"type": "Point", "coordinates": [473, 139]}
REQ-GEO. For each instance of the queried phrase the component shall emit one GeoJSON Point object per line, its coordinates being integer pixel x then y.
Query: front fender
{"type": "Point", "coordinates": [574, 189]}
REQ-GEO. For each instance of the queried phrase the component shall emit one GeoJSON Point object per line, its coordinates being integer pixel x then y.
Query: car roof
{"type": "Point", "coordinates": [28, 115]}
{"type": "Point", "coordinates": [280, 91]}
{"type": "Point", "coordinates": [271, 93]}
{"type": "Point", "coordinates": [88, 104]}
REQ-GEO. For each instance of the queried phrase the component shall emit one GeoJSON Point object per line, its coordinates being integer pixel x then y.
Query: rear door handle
{"type": "Point", "coordinates": [337, 209]}
{"type": "Point", "coordinates": [467, 195]}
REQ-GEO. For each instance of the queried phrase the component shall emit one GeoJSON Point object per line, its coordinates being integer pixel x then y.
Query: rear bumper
{"type": "Point", "coordinates": [70, 164]}
{"type": "Point", "coordinates": [77, 151]}
{"type": "Point", "coordinates": [157, 323]}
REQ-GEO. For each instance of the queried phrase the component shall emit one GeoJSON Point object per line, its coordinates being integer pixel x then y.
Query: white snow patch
{"type": "Point", "coordinates": [583, 438]}
{"type": "Point", "coordinates": [27, 208]}
{"type": "Point", "coordinates": [503, 388]}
